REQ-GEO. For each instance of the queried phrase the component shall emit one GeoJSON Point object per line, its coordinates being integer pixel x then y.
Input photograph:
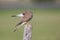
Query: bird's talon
{"type": "Point", "coordinates": [14, 30]}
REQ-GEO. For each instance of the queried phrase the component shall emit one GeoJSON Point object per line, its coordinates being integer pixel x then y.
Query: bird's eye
{"type": "Point", "coordinates": [23, 14]}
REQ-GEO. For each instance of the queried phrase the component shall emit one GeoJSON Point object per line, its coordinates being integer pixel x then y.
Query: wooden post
{"type": "Point", "coordinates": [27, 32]}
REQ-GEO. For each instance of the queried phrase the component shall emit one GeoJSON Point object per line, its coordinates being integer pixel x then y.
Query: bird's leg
{"type": "Point", "coordinates": [17, 27]}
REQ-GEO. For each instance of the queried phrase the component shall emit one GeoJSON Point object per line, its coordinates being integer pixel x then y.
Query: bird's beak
{"type": "Point", "coordinates": [13, 16]}
{"type": "Point", "coordinates": [20, 15]}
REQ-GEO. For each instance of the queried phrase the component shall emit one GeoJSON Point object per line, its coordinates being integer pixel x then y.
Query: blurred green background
{"type": "Point", "coordinates": [45, 22]}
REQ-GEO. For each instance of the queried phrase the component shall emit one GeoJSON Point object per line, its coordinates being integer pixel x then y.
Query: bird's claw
{"type": "Point", "coordinates": [14, 30]}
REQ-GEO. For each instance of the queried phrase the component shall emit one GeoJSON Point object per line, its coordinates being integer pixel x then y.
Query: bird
{"type": "Point", "coordinates": [26, 16]}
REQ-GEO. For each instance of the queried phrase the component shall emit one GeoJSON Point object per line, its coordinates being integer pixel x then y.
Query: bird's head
{"type": "Point", "coordinates": [19, 15]}
{"type": "Point", "coordinates": [25, 13]}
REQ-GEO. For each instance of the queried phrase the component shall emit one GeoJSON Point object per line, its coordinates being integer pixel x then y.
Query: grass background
{"type": "Point", "coordinates": [45, 22]}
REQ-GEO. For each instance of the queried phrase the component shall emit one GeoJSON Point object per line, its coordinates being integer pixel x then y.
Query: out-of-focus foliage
{"type": "Point", "coordinates": [43, 0]}
{"type": "Point", "coordinates": [45, 22]}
